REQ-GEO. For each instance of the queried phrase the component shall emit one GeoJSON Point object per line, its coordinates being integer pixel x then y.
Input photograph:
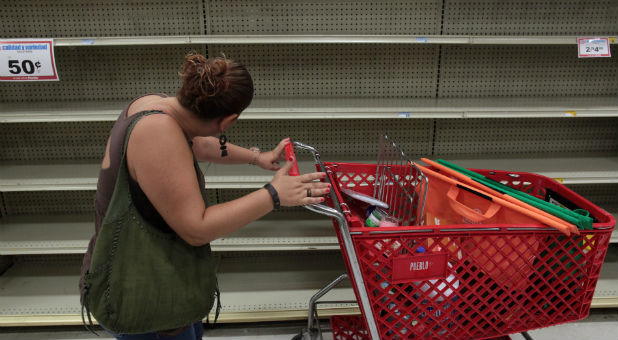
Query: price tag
{"type": "Point", "coordinates": [27, 60]}
{"type": "Point", "coordinates": [593, 47]}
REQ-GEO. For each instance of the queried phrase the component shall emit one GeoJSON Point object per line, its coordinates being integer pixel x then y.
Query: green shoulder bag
{"type": "Point", "coordinates": [142, 279]}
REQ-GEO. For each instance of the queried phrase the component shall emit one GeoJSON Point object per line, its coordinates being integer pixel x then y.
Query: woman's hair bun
{"type": "Point", "coordinates": [214, 87]}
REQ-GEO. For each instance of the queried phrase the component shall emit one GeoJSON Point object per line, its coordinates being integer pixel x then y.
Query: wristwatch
{"type": "Point", "coordinates": [274, 195]}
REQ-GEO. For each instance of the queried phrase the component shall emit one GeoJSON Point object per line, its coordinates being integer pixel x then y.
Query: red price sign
{"type": "Point", "coordinates": [27, 60]}
{"type": "Point", "coordinates": [593, 47]}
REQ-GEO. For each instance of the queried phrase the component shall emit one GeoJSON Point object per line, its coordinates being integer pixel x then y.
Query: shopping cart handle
{"type": "Point", "coordinates": [305, 146]}
{"type": "Point", "coordinates": [326, 210]}
{"type": "Point", "coordinates": [322, 209]}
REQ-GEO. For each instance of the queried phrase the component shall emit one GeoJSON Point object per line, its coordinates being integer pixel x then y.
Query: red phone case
{"type": "Point", "coordinates": [289, 152]}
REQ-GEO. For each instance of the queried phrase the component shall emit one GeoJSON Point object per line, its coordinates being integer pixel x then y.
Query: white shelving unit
{"type": "Point", "coordinates": [485, 83]}
{"type": "Point", "coordinates": [55, 177]}
{"type": "Point", "coordinates": [70, 234]}
{"type": "Point", "coordinates": [41, 291]}
{"type": "Point", "coordinates": [341, 108]}
{"type": "Point", "coordinates": [317, 39]}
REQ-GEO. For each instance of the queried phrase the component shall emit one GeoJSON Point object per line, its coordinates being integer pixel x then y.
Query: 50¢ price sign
{"type": "Point", "coordinates": [27, 60]}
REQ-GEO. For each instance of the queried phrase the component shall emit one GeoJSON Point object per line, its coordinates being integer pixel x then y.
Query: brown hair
{"type": "Point", "coordinates": [213, 88]}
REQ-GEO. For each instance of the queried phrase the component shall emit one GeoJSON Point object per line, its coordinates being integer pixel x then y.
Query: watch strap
{"type": "Point", "coordinates": [274, 195]}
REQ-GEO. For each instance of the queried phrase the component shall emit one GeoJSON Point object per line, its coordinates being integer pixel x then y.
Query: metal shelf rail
{"type": "Point", "coordinates": [341, 108]}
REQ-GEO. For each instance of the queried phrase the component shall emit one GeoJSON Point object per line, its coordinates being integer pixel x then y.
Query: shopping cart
{"type": "Point", "coordinates": [424, 281]}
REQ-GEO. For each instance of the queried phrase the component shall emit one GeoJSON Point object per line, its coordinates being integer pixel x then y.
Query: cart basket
{"type": "Point", "coordinates": [468, 281]}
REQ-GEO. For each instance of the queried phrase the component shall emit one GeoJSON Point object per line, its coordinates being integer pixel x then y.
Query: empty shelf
{"type": "Point", "coordinates": [43, 291]}
{"type": "Point", "coordinates": [340, 108]}
{"type": "Point", "coordinates": [317, 39]}
{"type": "Point", "coordinates": [46, 177]}
{"type": "Point", "coordinates": [71, 234]}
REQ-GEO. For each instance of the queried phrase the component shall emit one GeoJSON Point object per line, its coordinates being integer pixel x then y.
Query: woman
{"type": "Point", "coordinates": [155, 143]}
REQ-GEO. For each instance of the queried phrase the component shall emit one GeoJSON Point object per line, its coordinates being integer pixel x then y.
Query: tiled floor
{"type": "Point", "coordinates": [600, 325]}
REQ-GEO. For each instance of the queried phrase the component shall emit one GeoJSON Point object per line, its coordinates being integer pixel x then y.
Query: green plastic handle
{"type": "Point", "coordinates": [581, 221]}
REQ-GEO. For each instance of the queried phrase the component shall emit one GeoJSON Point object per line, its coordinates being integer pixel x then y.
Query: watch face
{"type": "Point", "coordinates": [254, 148]}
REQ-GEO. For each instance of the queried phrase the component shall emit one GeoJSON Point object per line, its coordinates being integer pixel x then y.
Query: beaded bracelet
{"type": "Point", "coordinates": [256, 152]}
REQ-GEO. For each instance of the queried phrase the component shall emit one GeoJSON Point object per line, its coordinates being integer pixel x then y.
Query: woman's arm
{"type": "Point", "coordinates": [207, 149]}
{"type": "Point", "coordinates": [163, 167]}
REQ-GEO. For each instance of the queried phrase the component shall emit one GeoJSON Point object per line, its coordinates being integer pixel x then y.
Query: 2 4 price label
{"type": "Point", "coordinates": [593, 47]}
{"type": "Point", "coordinates": [27, 60]}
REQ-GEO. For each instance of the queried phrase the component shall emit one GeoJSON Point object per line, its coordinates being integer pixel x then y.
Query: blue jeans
{"type": "Point", "coordinates": [194, 332]}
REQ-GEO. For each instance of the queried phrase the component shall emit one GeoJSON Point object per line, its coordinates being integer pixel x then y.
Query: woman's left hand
{"type": "Point", "coordinates": [269, 160]}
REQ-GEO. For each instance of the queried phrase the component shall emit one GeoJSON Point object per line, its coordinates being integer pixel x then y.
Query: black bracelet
{"type": "Point", "coordinates": [273, 194]}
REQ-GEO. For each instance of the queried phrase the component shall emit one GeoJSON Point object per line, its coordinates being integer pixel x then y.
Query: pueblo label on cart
{"type": "Point", "coordinates": [419, 267]}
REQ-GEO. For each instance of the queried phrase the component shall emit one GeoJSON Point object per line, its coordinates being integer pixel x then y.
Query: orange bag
{"type": "Point", "coordinates": [506, 259]}
{"type": "Point", "coordinates": [552, 220]}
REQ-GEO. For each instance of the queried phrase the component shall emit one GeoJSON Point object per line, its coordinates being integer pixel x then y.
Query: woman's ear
{"type": "Point", "coordinates": [227, 122]}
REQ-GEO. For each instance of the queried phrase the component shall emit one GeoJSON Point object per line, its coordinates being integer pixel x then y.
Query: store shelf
{"type": "Point", "coordinates": [297, 231]}
{"type": "Point", "coordinates": [589, 170]}
{"type": "Point", "coordinates": [47, 177]}
{"type": "Point", "coordinates": [606, 291]}
{"type": "Point", "coordinates": [264, 287]}
{"type": "Point", "coordinates": [529, 40]}
{"type": "Point", "coordinates": [53, 177]}
{"type": "Point", "coordinates": [572, 170]}
{"type": "Point", "coordinates": [71, 234]}
{"type": "Point", "coordinates": [44, 112]}
{"type": "Point", "coordinates": [341, 108]}
{"type": "Point", "coordinates": [317, 39]}
{"type": "Point", "coordinates": [384, 108]}
{"type": "Point", "coordinates": [45, 234]}
{"type": "Point", "coordinates": [272, 39]}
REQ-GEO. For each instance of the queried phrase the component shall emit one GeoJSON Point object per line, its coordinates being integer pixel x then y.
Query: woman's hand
{"type": "Point", "coordinates": [270, 160]}
{"type": "Point", "coordinates": [295, 190]}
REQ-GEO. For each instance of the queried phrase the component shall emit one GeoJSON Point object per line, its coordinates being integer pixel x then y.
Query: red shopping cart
{"type": "Point", "coordinates": [464, 281]}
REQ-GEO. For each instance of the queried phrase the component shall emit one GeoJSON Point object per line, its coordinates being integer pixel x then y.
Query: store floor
{"type": "Point", "coordinates": [602, 324]}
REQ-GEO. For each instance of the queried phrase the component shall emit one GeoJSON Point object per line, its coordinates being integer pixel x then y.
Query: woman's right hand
{"type": "Point", "coordinates": [293, 190]}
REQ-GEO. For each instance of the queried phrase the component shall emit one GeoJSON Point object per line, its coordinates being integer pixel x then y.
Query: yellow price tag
{"type": "Point", "coordinates": [611, 40]}
{"type": "Point", "coordinates": [571, 113]}
{"type": "Point", "coordinates": [560, 180]}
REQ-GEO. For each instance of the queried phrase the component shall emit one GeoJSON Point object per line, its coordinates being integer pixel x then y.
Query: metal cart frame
{"type": "Point", "coordinates": [340, 212]}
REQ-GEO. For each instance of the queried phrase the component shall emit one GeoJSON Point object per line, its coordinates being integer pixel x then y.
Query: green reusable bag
{"type": "Point", "coordinates": [142, 279]}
